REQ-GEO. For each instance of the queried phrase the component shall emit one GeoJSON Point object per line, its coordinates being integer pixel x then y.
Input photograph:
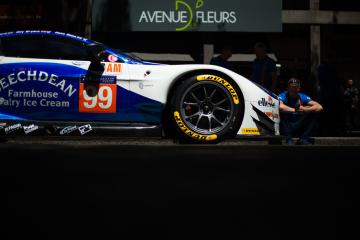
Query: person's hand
{"type": "Point", "coordinates": [301, 110]}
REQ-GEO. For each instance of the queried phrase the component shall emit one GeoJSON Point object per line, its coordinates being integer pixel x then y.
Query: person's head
{"type": "Point", "coordinates": [293, 86]}
{"type": "Point", "coordinates": [349, 82]}
{"type": "Point", "coordinates": [226, 52]}
{"type": "Point", "coordinates": [260, 50]}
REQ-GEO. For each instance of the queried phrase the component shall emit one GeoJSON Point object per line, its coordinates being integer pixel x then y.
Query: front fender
{"type": "Point", "coordinates": [261, 108]}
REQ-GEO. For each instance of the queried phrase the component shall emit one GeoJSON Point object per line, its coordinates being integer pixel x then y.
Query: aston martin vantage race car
{"type": "Point", "coordinates": [59, 84]}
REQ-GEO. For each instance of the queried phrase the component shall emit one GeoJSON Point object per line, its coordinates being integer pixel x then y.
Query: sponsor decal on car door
{"type": "Point", "coordinates": [98, 98]}
{"type": "Point", "coordinates": [40, 88]}
{"type": "Point", "coordinates": [101, 95]}
{"type": "Point", "coordinates": [43, 89]}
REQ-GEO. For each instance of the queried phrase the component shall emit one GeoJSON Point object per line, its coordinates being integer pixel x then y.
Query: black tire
{"type": "Point", "coordinates": [206, 109]}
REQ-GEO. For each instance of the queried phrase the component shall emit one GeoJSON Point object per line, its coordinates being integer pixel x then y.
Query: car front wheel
{"type": "Point", "coordinates": [206, 109]}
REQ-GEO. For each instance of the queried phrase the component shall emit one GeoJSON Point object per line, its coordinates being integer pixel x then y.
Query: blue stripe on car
{"type": "Point", "coordinates": [131, 107]}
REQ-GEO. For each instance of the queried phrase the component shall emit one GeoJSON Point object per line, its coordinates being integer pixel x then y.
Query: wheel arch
{"type": "Point", "coordinates": [182, 77]}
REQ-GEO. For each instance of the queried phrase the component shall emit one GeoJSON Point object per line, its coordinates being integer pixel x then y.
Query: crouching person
{"type": "Point", "coordinates": [298, 113]}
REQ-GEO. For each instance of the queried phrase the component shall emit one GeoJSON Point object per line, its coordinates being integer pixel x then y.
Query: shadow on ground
{"type": "Point", "coordinates": [179, 192]}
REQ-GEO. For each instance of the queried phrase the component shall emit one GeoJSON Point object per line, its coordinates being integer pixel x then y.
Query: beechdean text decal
{"type": "Point", "coordinates": [21, 89]}
{"type": "Point", "coordinates": [41, 76]}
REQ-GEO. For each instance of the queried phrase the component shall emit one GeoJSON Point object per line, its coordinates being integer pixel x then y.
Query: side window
{"type": "Point", "coordinates": [66, 49]}
{"type": "Point", "coordinates": [46, 47]}
{"type": "Point", "coordinates": [23, 46]}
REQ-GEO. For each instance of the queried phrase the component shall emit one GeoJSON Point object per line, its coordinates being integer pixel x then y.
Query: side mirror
{"type": "Point", "coordinates": [96, 52]}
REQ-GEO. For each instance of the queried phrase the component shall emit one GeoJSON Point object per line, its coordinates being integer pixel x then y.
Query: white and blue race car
{"type": "Point", "coordinates": [60, 84]}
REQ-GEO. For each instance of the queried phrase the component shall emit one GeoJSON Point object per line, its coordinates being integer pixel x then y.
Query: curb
{"type": "Point", "coordinates": [337, 141]}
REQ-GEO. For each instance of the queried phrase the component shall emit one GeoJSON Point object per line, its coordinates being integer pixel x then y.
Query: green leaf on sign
{"type": "Point", "coordinates": [199, 4]}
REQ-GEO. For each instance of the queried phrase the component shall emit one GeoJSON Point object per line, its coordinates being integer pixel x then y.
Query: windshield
{"type": "Point", "coordinates": [126, 57]}
{"type": "Point", "coordinates": [103, 52]}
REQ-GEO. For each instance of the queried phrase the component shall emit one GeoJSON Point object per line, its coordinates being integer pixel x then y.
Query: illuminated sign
{"type": "Point", "coordinates": [194, 15]}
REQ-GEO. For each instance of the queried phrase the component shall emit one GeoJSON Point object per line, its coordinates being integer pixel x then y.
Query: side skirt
{"type": "Point", "coordinates": [43, 128]}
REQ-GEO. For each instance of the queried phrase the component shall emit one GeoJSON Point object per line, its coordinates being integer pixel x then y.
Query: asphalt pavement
{"type": "Point", "coordinates": [142, 188]}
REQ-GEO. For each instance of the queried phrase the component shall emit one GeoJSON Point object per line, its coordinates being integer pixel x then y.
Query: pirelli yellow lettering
{"type": "Point", "coordinates": [250, 131]}
{"type": "Point", "coordinates": [223, 82]}
{"type": "Point", "coordinates": [190, 133]}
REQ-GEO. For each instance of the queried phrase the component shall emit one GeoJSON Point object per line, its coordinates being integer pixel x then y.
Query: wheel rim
{"type": "Point", "coordinates": [206, 107]}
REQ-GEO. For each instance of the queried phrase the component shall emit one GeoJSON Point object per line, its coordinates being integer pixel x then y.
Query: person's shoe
{"type": "Point", "coordinates": [303, 141]}
{"type": "Point", "coordinates": [289, 141]}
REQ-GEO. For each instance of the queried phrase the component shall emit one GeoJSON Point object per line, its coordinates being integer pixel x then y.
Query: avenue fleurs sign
{"type": "Point", "coordinates": [197, 15]}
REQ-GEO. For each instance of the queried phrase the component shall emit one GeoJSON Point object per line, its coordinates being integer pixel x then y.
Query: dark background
{"type": "Point", "coordinates": [291, 46]}
{"type": "Point", "coordinates": [136, 191]}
